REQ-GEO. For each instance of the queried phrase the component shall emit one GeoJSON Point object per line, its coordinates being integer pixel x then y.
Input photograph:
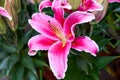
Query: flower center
{"type": "Point", "coordinates": [58, 33]}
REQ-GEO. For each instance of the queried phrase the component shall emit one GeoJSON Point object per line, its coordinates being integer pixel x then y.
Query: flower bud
{"type": "Point", "coordinates": [74, 3]}
{"type": "Point", "coordinates": [10, 7]}
{"type": "Point", "coordinates": [17, 5]}
{"type": "Point", "coordinates": [2, 3]}
{"type": "Point", "coordinates": [2, 26]}
{"type": "Point", "coordinates": [100, 14]}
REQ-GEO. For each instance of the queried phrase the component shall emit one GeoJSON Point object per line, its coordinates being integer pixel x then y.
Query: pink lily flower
{"type": "Point", "coordinates": [59, 38]}
{"type": "Point", "coordinates": [90, 5]}
{"type": "Point", "coordinates": [111, 1]}
{"type": "Point", "coordinates": [86, 5]}
{"type": "Point", "coordinates": [4, 13]}
{"type": "Point", "coordinates": [57, 6]}
{"type": "Point", "coordinates": [59, 3]}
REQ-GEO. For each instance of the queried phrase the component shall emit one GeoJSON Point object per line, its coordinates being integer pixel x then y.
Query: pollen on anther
{"type": "Point", "coordinates": [48, 21]}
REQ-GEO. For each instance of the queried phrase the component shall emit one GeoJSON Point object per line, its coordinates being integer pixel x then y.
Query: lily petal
{"type": "Point", "coordinates": [4, 13]}
{"type": "Point", "coordinates": [66, 5]}
{"type": "Point", "coordinates": [85, 44]}
{"type": "Point", "coordinates": [58, 12]}
{"type": "Point", "coordinates": [45, 4]}
{"type": "Point", "coordinates": [44, 24]}
{"type": "Point", "coordinates": [111, 1]}
{"type": "Point", "coordinates": [62, 3]}
{"type": "Point", "coordinates": [90, 5]}
{"type": "Point", "coordinates": [57, 56]}
{"type": "Point", "coordinates": [74, 18]}
{"type": "Point", "coordinates": [39, 42]}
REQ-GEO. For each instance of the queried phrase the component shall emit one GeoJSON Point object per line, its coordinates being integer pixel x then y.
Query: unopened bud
{"type": "Point", "coordinates": [100, 14]}
{"type": "Point", "coordinates": [2, 3]}
{"type": "Point", "coordinates": [2, 26]}
{"type": "Point", "coordinates": [74, 3]}
{"type": "Point", "coordinates": [17, 5]}
{"type": "Point", "coordinates": [9, 6]}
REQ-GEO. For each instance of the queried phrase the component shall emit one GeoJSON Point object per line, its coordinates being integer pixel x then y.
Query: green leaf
{"type": "Point", "coordinates": [23, 40]}
{"type": "Point", "coordinates": [3, 55]}
{"type": "Point", "coordinates": [117, 43]}
{"type": "Point", "coordinates": [12, 61]}
{"type": "Point", "coordinates": [94, 73]}
{"type": "Point", "coordinates": [2, 73]}
{"type": "Point", "coordinates": [20, 72]}
{"type": "Point", "coordinates": [117, 9]}
{"type": "Point", "coordinates": [8, 47]}
{"type": "Point", "coordinates": [4, 63]}
{"type": "Point", "coordinates": [84, 61]}
{"type": "Point", "coordinates": [48, 11]}
{"type": "Point", "coordinates": [39, 63]}
{"type": "Point", "coordinates": [9, 62]}
{"type": "Point", "coordinates": [28, 63]}
{"type": "Point", "coordinates": [101, 62]}
{"type": "Point", "coordinates": [73, 71]}
{"type": "Point", "coordinates": [17, 73]}
{"type": "Point", "coordinates": [31, 76]}
{"type": "Point", "coordinates": [102, 43]}
{"type": "Point", "coordinates": [83, 64]}
{"type": "Point", "coordinates": [76, 70]}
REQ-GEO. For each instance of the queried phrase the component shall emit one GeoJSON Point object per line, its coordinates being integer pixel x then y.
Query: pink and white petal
{"type": "Point", "coordinates": [74, 18]}
{"type": "Point", "coordinates": [45, 4]}
{"type": "Point", "coordinates": [42, 23]}
{"type": "Point", "coordinates": [59, 15]}
{"type": "Point", "coordinates": [57, 56]}
{"type": "Point", "coordinates": [62, 3]}
{"type": "Point", "coordinates": [4, 13]}
{"type": "Point", "coordinates": [66, 5]}
{"type": "Point", "coordinates": [85, 44]}
{"type": "Point", "coordinates": [58, 12]}
{"type": "Point", "coordinates": [111, 1]}
{"type": "Point", "coordinates": [39, 42]}
{"type": "Point", "coordinates": [90, 5]}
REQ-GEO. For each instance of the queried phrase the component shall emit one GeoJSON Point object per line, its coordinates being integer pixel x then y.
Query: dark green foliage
{"type": "Point", "coordinates": [16, 64]}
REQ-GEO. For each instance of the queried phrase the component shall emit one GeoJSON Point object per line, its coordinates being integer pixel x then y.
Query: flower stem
{"type": "Point", "coordinates": [40, 74]}
{"type": "Point", "coordinates": [36, 9]}
{"type": "Point", "coordinates": [4, 37]}
{"type": "Point", "coordinates": [91, 31]}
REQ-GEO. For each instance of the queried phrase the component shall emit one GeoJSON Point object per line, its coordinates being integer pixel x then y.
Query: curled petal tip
{"type": "Point", "coordinates": [10, 18]}
{"type": "Point", "coordinates": [59, 76]}
{"type": "Point", "coordinates": [94, 55]}
{"type": "Point", "coordinates": [4, 13]}
{"type": "Point", "coordinates": [32, 53]}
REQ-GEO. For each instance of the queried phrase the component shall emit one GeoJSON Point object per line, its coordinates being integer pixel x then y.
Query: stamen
{"type": "Point", "coordinates": [83, 2]}
{"type": "Point", "coordinates": [52, 26]}
{"type": "Point", "coordinates": [58, 33]}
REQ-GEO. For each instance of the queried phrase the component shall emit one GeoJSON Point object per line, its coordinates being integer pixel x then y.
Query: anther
{"type": "Point", "coordinates": [83, 2]}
